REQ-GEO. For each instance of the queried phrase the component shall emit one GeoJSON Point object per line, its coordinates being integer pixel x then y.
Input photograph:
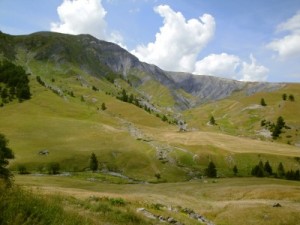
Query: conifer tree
{"type": "Point", "coordinates": [93, 162]}
{"type": "Point", "coordinates": [235, 170]}
{"type": "Point", "coordinates": [280, 170]}
{"type": "Point", "coordinates": [211, 170]}
{"type": "Point", "coordinates": [5, 154]}
{"type": "Point", "coordinates": [212, 120]}
{"type": "Point", "coordinates": [268, 168]}
{"type": "Point", "coordinates": [103, 106]}
{"type": "Point", "coordinates": [262, 102]}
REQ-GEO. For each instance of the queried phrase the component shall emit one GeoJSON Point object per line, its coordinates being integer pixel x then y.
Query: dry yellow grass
{"type": "Point", "coordinates": [222, 141]}
{"type": "Point", "coordinates": [239, 201]}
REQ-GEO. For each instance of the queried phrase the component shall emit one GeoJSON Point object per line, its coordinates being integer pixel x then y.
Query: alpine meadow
{"type": "Point", "coordinates": [89, 134]}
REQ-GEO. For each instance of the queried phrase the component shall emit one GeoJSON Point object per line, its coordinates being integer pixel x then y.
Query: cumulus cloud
{"type": "Point", "coordinates": [178, 42]}
{"type": "Point", "coordinates": [289, 45]}
{"type": "Point", "coordinates": [218, 64]}
{"type": "Point", "coordinates": [84, 17]}
{"type": "Point", "coordinates": [231, 66]}
{"type": "Point", "coordinates": [253, 71]}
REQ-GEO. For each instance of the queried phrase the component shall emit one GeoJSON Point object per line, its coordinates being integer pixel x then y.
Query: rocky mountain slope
{"type": "Point", "coordinates": [104, 59]}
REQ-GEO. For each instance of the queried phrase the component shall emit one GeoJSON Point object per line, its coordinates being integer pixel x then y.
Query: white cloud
{"type": "Point", "coordinates": [231, 66]}
{"type": "Point", "coordinates": [178, 42]}
{"type": "Point", "coordinates": [218, 64]}
{"type": "Point", "coordinates": [289, 45]}
{"type": "Point", "coordinates": [84, 17]}
{"type": "Point", "coordinates": [291, 24]}
{"type": "Point", "coordinates": [253, 71]}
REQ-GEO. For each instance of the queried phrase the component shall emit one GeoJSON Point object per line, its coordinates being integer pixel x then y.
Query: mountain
{"type": "Point", "coordinates": [102, 59]}
{"type": "Point", "coordinates": [87, 97]}
{"type": "Point", "coordinates": [136, 133]}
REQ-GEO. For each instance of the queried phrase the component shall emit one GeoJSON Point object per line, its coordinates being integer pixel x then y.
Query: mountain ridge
{"type": "Point", "coordinates": [99, 58]}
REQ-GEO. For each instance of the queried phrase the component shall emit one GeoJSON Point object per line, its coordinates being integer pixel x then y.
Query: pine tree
{"type": "Point", "coordinates": [291, 98]}
{"type": "Point", "coordinates": [103, 106]}
{"type": "Point", "coordinates": [262, 102]}
{"type": "Point", "coordinates": [211, 170]}
{"type": "Point", "coordinates": [268, 168]}
{"type": "Point", "coordinates": [212, 120]}
{"type": "Point", "coordinates": [280, 124]}
{"type": "Point", "coordinates": [280, 170]}
{"type": "Point", "coordinates": [93, 162]}
{"type": "Point", "coordinates": [5, 154]}
{"type": "Point", "coordinates": [258, 170]}
{"type": "Point", "coordinates": [235, 170]}
{"type": "Point", "coordinates": [284, 96]}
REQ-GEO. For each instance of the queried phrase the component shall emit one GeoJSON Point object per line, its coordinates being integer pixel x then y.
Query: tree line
{"type": "Point", "coordinates": [266, 170]}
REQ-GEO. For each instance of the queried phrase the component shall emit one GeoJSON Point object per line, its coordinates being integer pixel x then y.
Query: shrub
{"type": "Point", "coordinates": [262, 102]}
{"type": "Point", "coordinates": [22, 170]}
{"type": "Point", "coordinates": [53, 168]}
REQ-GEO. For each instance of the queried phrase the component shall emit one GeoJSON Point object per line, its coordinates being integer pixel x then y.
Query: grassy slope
{"type": "Point", "coordinates": [237, 201]}
{"type": "Point", "coordinates": [237, 115]}
{"type": "Point", "coordinates": [71, 130]}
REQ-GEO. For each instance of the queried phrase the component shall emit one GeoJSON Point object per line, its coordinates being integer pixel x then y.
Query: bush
{"type": "Point", "coordinates": [53, 168]}
{"type": "Point", "coordinates": [22, 170]}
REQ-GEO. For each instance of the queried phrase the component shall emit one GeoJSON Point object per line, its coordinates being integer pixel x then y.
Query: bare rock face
{"type": "Point", "coordinates": [208, 88]}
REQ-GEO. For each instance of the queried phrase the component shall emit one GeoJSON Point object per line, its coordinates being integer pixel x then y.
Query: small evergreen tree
{"type": "Point", "coordinates": [103, 106]}
{"type": "Point", "coordinates": [291, 98]}
{"type": "Point", "coordinates": [284, 96]}
{"type": "Point", "coordinates": [280, 170]}
{"type": "Point", "coordinates": [212, 120]}
{"type": "Point", "coordinates": [258, 170]}
{"type": "Point", "coordinates": [157, 175]}
{"type": "Point", "coordinates": [235, 170]}
{"type": "Point", "coordinates": [93, 162]}
{"type": "Point", "coordinates": [268, 168]}
{"type": "Point", "coordinates": [131, 98]}
{"type": "Point", "coordinates": [211, 170]}
{"type": "Point", "coordinates": [5, 154]}
{"type": "Point", "coordinates": [280, 124]}
{"type": "Point", "coordinates": [262, 102]}
{"type": "Point", "coordinates": [164, 118]}
{"type": "Point", "coordinates": [124, 96]}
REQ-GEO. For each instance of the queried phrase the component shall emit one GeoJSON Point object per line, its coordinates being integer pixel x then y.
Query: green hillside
{"type": "Point", "coordinates": [241, 115]}
{"type": "Point", "coordinates": [77, 105]}
{"type": "Point", "coordinates": [64, 117]}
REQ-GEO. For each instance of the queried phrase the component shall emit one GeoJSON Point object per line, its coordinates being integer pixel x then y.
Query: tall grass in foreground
{"type": "Point", "coordinates": [18, 207]}
{"type": "Point", "coordinates": [22, 207]}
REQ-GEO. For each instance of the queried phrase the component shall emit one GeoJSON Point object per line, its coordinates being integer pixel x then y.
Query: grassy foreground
{"type": "Point", "coordinates": [227, 201]}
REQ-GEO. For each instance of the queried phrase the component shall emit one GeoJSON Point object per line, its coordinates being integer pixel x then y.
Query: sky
{"type": "Point", "coordinates": [256, 40]}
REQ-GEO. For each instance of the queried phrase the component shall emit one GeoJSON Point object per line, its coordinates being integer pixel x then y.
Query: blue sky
{"type": "Point", "coordinates": [244, 40]}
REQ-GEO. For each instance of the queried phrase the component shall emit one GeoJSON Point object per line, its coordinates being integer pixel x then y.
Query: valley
{"type": "Point", "coordinates": [89, 96]}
